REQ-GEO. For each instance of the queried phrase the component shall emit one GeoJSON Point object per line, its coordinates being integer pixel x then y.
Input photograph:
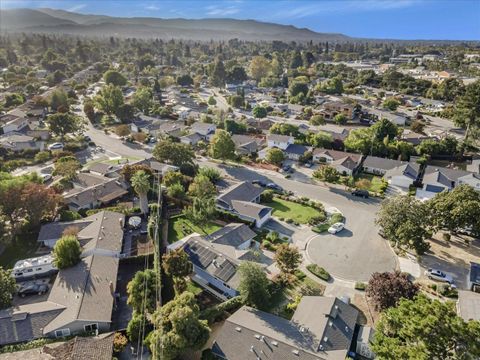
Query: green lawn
{"type": "Point", "coordinates": [376, 182]}
{"type": "Point", "coordinates": [23, 248]}
{"type": "Point", "coordinates": [179, 227]}
{"type": "Point", "coordinates": [193, 287]}
{"type": "Point", "coordinates": [289, 210]}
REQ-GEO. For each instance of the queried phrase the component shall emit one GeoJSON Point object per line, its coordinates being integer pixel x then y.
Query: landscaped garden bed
{"type": "Point", "coordinates": [179, 227]}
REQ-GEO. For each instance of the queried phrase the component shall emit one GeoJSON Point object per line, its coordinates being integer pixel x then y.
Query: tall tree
{"type": "Point", "coordinates": [259, 67]}
{"type": "Point", "coordinates": [404, 220]}
{"type": "Point", "coordinates": [386, 289]}
{"type": "Point", "coordinates": [67, 167]}
{"type": "Point", "coordinates": [176, 154]}
{"type": "Point", "coordinates": [425, 329]}
{"type": "Point", "coordinates": [177, 265]}
{"type": "Point", "coordinates": [62, 124]}
{"type": "Point", "coordinates": [109, 99]}
{"type": "Point", "coordinates": [201, 212]}
{"type": "Point", "coordinates": [178, 328]}
{"type": "Point", "coordinates": [217, 78]}
{"type": "Point", "coordinates": [467, 110]}
{"type": "Point", "coordinates": [142, 290]}
{"type": "Point", "coordinates": [254, 285]}
{"type": "Point", "coordinates": [143, 100]}
{"type": "Point", "coordinates": [202, 187]}
{"type": "Point", "coordinates": [288, 259]}
{"type": "Point", "coordinates": [8, 288]}
{"type": "Point", "coordinates": [141, 184]}
{"type": "Point", "coordinates": [115, 78]}
{"type": "Point", "coordinates": [66, 252]}
{"type": "Point", "coordinates": [222, 145]}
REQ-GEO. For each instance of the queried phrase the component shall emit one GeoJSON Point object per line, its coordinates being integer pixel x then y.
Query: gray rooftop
{"type": "Point", "coordinates": [409, 170]}
{"type": "Point", "coordinates": [381, 163]}
{"type": "Point", "coordinates": [252, 210]}
{"type": "Point", "coordinates": [233, 234]}
{"type": "Point", "coordinates": [321, 328]}
{"type": "Point", "coordinates": [243, 191]}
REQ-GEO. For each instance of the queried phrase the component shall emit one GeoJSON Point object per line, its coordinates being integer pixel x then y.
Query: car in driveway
{"type": "Point", "coordinates": [32, 289]}
{"type": "Point", "coordinates": [259, 182]}
{"type": "Point", "coordinates": [46, 177]}
{"type": "Point", "coordinates": [438, 275]}
{"type": "Point", "coordinates": [361, 193]}
{"type": "Point", "coordinates": [55, 146]}
{"type": "Point", "coordinates": [335, 228]}
{"type": "Point", "coordinates": [288, 169]}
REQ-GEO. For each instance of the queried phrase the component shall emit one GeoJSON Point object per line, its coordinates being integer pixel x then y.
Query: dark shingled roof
{"type": "Point", "coordinates": [243, 191]}
{"type": "Point", "coordinates": [321, 328]}
{"type": "Point", "coordinates": [232, 234]}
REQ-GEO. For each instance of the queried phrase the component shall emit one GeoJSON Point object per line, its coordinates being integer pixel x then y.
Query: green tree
{"type": "Point", "coordinates": [326, 173]}
{"type": "Point", "coordinates": [386, 289]}
{"type": "Point", "coordinates": [288, 259]}
{"type": "Point", "coordinates": [67, 167]}
{"type": "Point", "coordinates": [109, 99]}
{"type": "Point", "coordinates": [66, 252]}
{"type": "Point", "coordinates": [14, 99]}
{"type": "Point", "coordinates": [176, 191]}
{"type": "Point", "coordinates": [217, 77]}
{"type": "Point", "coordinates": [259, 112]}
{"type": "Point", "coordinates": [177, 264]}
{"type": "Point", "coordinates": [425, 329]}
{"type": "Point", "coordinates": [143, 100]}
{"type": "Point", "coordinates": [296, 60]}
{"type": "Point", "coordinates": [456, 210]}
{"type": "Point", "coordinates": [184, 80]}
{"type": "Point", "coordinates": [202, 187]}
{"type": "Point", "coordinates": [317, 120]}
{"type": "Point", "coordinates": [211, 101]}
{"type": "Point", "coordinates": [467, 110]}
{"type": "Point", "coordinates": [58, 99]}
{"type": "Point", "coordinates": [254, 285]}
{"type": "Point", "coordinates": [142, 290]}
{"type": "Point", "coordinates": [176, 154]}
{"type": "Point", "coordinates": [115, 78]}
{"type": "Point", "coordinates": [275, 156]}
{"type": "Point", "coordinates": [173, 177]}
{"type": "Point", "coordinates": [211, 173]}
{"type": "Point", "coordinates": [201, 212]}
{"type": "Point", "coordinates": [340, 119]}
{"type": "Point", "coordinates": [63, 124]}
{"type": "Point", "coordinates": [391, 104]}
{"type": "Point", "coordinates": [137, 326]}
{"type": "Point", "coordinates": [141, 184]}
{"type": "Point", "coordinates": [320, 139]}
{"type": "Point", "coordinates": [178, 328]}
{"type": "Point", "coordinates": [8, 287]}
{"type": "Point", "coordinates": [259, 67]}
{"type": "Point", "coordinates": [404, 220]}
{"type": "Point", "coordinates": [222, 145]}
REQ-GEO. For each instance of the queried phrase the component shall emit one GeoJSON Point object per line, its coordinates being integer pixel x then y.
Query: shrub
{"type": "Point", "coordinates": [337, 217]}
{"type": "Point", "coordinates": [446, 236]}
{"type": "Point", "coordinates": [267, 196]}
{"type": "Point", "coordinates": [360, 286]}
{"type": "Point", "coordinates": [321, 228]}
{"type": "Point", "coordinates": [69, 215]}
{"type": "Point", "coordinates": [119, 342]}
{"type": "Point", "coordinates": [67, 251]}
{"type": "Point", "coordinates": [300, 274]}
{"type": "Point", "coordinates": [318, 271]}
{"type": "Point", "coordinates": [216, 312]}
{"type": "Point", "coordinates": [315, 220]}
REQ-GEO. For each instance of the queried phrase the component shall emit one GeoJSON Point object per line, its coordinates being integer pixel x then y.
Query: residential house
{"type": "Point", "coordinates": [403, 175]}
{"type": "Point", "coordinates": [82, 296]}
{"type": "Point", "coordinates": [157, 167]}
{"type": "Point", "coordinates": [205, 130]}
{"type": "Point", "coordinates": [279, 141]}
{"type": "Point", "coordinates": [438, 179]}
{"type": "Point", "coordinates": [242, 199]}
{"type": "Point", "coordinates": [16, 142]}
{"type": "Point", "coordinates": [89, 231]}
{"type": "Point", "coordinates": [216, 257]}
{"type": "Point", "coordinates": [415, 138]}
{"type": "Point", "coordinates": [472, 179]}
{"type": "Point", "coordinates": [379, 166]}
{"type": "Point", "coordinates": [11, 122]}
{"type": "Point", "coordinates": [90, 191]}
{"type": "Point", "coordinates": [191, 139]}
{"type": "Point", "coordinates": [37, 130]}
{"type": "Point", "coordinates": [106, 170]}
{"type": "Point", "coordinates": [330, 109]}
{"type": "Point", "coordinates": [172, 128]}
{"type": "Point", "coordinates": [474, 166]}
{"type": "Point", "coordinates": [345, 163]}
{"type": "Point", "coordinates": [468, 305]}
{"type": "Point", "coordinates": [295, 151]}
{"type": "Point", "coordinates": [396, 118]}
{"type": "Point", "coordinates": [246, 145]}
{"type": "Point", "coordinates": [320, 328]}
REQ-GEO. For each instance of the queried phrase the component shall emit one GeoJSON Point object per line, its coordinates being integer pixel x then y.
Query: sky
{"type": "Point", "coordinates": [392, 19]}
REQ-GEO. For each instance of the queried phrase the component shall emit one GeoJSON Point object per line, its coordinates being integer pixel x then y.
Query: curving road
{"type": "Point", "coordinates": [353, 254]}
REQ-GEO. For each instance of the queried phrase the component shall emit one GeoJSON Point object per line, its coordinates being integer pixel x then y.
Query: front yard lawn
{"type": "Point", "coordinates": [24, 247]}
{"type": "Point", "coordinates": [299, 213]}
{"type": "Point", "coordinates": [376, 183]}
{"type": "Point", "coordinates": [179, 227]}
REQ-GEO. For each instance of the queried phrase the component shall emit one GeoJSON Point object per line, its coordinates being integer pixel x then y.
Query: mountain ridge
{"type": "Point", "coordinates": [54, 21]}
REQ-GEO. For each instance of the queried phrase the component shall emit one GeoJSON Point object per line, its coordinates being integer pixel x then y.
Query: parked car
{"type": "Point", "coordinates": [259, 182]}
{"type": "Point", "coordinates": [46, 177]}
{"type": "Point", "coordinates": [33, 289]}
{"type": "Point", "coordinates": [55, 146]}
{"type": "Point", "coordinates": [361, 193]}
{"type": "Point", "coordinates": [275, 187]}
{"type": "Point", "coordinates": [287, 169]}
{"type": "Point", "coordinates": [308, 164]}
{"type": "Point", "coordinates": [335, 228]}
{"type": "Point", "coordinates": [435, 274]}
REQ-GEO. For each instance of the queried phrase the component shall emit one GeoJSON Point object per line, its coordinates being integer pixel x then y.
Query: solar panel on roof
{"type": "Point", "coordinates": [226, 271]}
{"type": "Point", "coordinates": [200, 255]}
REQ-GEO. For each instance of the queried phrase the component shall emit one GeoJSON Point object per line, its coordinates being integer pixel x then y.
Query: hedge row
{"type": "Point", "coordinates": [217, 312]}
{"type": "Point", "coordinates": [318, 271]}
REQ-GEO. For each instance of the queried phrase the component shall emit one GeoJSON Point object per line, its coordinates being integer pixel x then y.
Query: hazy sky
{"type": "Point", "coordinates": [399, 19]}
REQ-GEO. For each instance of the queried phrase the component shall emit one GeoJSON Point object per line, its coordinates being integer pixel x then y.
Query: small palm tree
{"type": "Point", "coordinates": [141, 184]}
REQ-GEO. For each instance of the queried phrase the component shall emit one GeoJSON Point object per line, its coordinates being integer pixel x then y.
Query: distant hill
{"type": "Point", "coordinates": [60, 21]}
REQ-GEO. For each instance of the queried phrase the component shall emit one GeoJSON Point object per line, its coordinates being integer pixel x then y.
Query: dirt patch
{"type": "Point", "coordinates": [367, 316]}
